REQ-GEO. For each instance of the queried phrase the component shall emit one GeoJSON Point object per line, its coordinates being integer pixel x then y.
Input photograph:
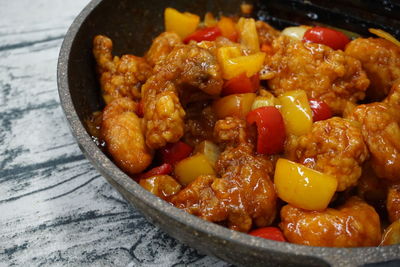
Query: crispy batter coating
{"type": "Point", "coordinates": [355, 224]}
{"type": "Point", "coordinates": [320, 71]}
{"type": "Point", "coordinates": [199, 125]}
{"type": "Point", "coordinates": [334, 146]}
{"type": "Point", "coordinates": [393, 203]}
{"type": "Point", "coordinates": [370, 187]}
{"type": "Point", "coordinates": [381, 133]}
{"type": "Point", "coordinates": [266, 33]}
{"type": "Point", "coordinates": [242, 197]}
{"type": "Point", "coordinates": [231, 131]}
{"type": "Point", "coordinates": [161, 46]}
{"type": "Point", "coordinates": [122, 132]}
{"type": "Point", "coordinates": [185, 67]}
{"type": "Point", "coordinates": [119, 77]}
{"type": "Point", "coordinates": [381, 61]}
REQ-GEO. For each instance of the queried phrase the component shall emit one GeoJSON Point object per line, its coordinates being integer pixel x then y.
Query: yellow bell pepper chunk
{"type": "Point", "coordinates": [181, 23]}
{"type": "Point", "coordinates": [210, 150]}
{"type": "Point", "coordinates": [209, 20]}
{"type": "Point", "coordinates": [237, 105]}
{"type": "Point", "coordinates": [250, 64]}
{"type": "Point", "coordinates": [188, 169]}
{"type": "Point", "coordinates": [296, 112]}
{"type": "Point", "coordinates": [161, 185]}
{"type": "Point", "coordinates": [265, 99]}
{"type": "Point", "coordinates": [227, 52]}
{"type": "Point", "coordinates": [303, 187]}
{"type": "Point", "coordinates": [248, 35]}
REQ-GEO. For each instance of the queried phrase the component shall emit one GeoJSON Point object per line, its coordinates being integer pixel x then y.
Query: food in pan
{"type": "Point", "coordinates": [289, 135]}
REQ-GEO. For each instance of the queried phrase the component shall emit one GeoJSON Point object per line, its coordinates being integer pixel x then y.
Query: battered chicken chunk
{"type": "Point", "coordinates": [185, 67]}
{"type": "Point", "coordinates": [122, 132]}
{"type": "Point", "coordinates": [325, 74]}
{"type": "Point", "coordinates": [162, 46]}
{"type": "Point", "coordinates": [266, 33]}
{"type": "Point", "coordinates": [119, 77]}
{"type": "Point", "coordinates": [242, 197]}
{"type": "Point", "coordinates": [381, 61]}
{"type": "Point", "coordinates": [334, 146]}
{"type": "Point", "coordinates": [355, 224]}
{"type": "Point", "coordinates": [381, 132]}
{"type": "Point", "coordinates": [393, 203]}
{"type": "Point", "coordinates": [231, 131]}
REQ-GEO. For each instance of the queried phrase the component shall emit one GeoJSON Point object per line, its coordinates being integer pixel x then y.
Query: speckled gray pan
{"type": "Point", "coordinates": [132, 25]}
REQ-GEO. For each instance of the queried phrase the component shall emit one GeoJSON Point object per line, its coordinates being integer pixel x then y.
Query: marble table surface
{"type": "Point", "coordinates": [55, 208]}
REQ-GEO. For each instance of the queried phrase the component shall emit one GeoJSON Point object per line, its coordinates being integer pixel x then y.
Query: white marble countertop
{"type": "Point", "coordinates": [55, 208]}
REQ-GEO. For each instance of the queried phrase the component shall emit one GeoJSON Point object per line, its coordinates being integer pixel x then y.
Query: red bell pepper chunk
{"type": "Point", "coordinates": [173, 153]}
{"type": "Point", "coordinates": [241, 84]}
{"type": "Point", "coordinates": [165, 168]}
{"type": "Point", "coordinates": [326, 36]}
{"type": "Point", "coordinates": [270, 127]}
{"type": "Point", "coordinates": [273, 233]}
{"type": "Point", "coordinates": [205, 34]}
{"type": "Point", "coordinates": [320, 110]}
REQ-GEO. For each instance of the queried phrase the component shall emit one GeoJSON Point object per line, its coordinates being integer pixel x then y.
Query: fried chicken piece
{"type": "Point", "coordinates": [185, 67]}
{"type": "Point", "coordinates": [161, 46]}
{"type": "Point", "coordinates": [199, 198]}
{"type": "Point", "coordinates": [393, 203]}
{"type": "Point", "coordinates": [323, 73]}
{"type": "Point", "coordinates": [119, 77]}
{"type": "Point", "coordinates": [199, 126]}
{"type": "Point", "coordinates": [370, 187]}
{"type": "Point", "coordinates": [381, 61]}
{"type": "Point", "coordinates": [334, 146]}
{"type": "Point", "coordinates": [231, 131]}
{"type": "Point", "coordinates": [355, 224]}
{"type": "Point", "coordinates": [242, 197]}
{"type": "Point", "coordinates": [266, 33]}
{"type": "Point", "coordinates": [122, 132]}
{"type": "Point", "coordinates": [381, 133]}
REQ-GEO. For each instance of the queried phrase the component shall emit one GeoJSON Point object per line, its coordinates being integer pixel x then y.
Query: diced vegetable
{"type": "Point", "coordinates": [321, 35]}
{"type": "Point", "coordinates": [205, 34]}
{"type": "Point", "coordinates": [161, 185]}
{"type": "Point", "coordinates": [248, 35]}
{"type": "Point", "coordinates": [181, 23]}
{"type": "Point", "coordinates": [251, 64]}
{"type": "Point", "coordinates": [265, 99]}
{"type": "Point", "coordinates": [237, 105]}
{"type": "Point", "coordinates": [172, 153]}
{"type": "Point", "coordinates": [273, 233]}
{"type": "Point", "coordinates": [303, 187]}
{"type": "Point", "coordinates": [228, 28]}
{"type": "Point", "coordinates": [189, 169]}
{"type": "Point", "coordinates": [270, 128]}
{"type": "Point", "coordinates": [241, 84]}
{"type": "Point", "coordinates": [296, 32]}
{"type": "Point", "coordinates": [296, 112]}
{"type": "Point", "coordinates": [160, 170]}
{"type": "Point", "coordinates": [391, 235]}
{"type": "Point", "coordinates": [210, 150]}
{"type": "Point", "coordinates": [384, 35]}
{"type": "Point", "coordinates": [225, 53]}
{"type": "Point", "coordinates": [320, 110]}
{"type": "Point", "coordinates": [209, 20]}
